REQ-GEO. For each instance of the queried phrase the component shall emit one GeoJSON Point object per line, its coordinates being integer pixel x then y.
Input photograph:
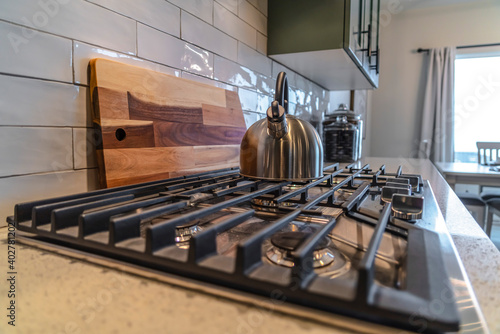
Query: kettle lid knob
{"type": "Point", "coordinates": [275, 113]}
{"type": "Point", "coordinates": [276, 120]}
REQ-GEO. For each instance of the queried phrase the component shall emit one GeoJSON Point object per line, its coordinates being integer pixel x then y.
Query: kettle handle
{"type": "Point", "coordinates": [281, 94]}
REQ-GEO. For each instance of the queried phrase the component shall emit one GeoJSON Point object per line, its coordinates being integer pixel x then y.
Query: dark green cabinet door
{"type": "Point", "coordinates": [332, 42]}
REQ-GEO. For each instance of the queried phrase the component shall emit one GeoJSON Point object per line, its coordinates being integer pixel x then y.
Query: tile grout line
{"type": "Point", "coordinates": [137, 38]}
{"type": "Point", "coordinates": [73, 147]}
{"type": "Point", "coordinates": [57, 35]}
{"type": "Point", "coordinates": [46, 173]}
{"type": "Point", "coordinates": [73, 41]}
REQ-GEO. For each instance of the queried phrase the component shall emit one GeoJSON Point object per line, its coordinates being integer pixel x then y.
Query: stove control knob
{"type": "Point", "coordinates": [407, 207]}
{"type": "Point", "coordinates": [389, 192]}
{"type": "Point", "coordinates": [398, 180]}
{"type": "Point", "coordinates": [397, 185]}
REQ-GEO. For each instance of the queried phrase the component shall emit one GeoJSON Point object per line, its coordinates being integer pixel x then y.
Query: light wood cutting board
{"type": "Point", "coordinates": [153, 126]}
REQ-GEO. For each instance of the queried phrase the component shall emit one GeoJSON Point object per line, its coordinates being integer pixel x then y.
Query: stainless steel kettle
{"type": "Point", "coordinates": [280, 146]}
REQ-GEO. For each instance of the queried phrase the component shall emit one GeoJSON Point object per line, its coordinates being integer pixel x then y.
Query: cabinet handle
{"type": "Point", "coordinates": [369, 44]}
{"type": "Point", "coordinates": [377, 62]}
{"type": "Point", "coordinates": [369, 51]}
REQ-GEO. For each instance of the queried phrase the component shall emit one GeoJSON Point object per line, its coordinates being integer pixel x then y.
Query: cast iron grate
{"type": "Point", "coordinates": [108, 222]}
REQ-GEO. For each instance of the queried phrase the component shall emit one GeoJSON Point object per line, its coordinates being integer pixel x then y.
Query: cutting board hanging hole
{"type": "Point", "coordinates": [120, 134]}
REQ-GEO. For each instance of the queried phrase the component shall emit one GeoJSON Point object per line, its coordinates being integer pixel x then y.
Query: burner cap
{"type": "Point", "coordinates": [269, 205]}
{"type": "Point", "coordinates": [283, 243]}
{"type": "Point", "coordinates": [290, 241]}
{"type": "Point", "coordinates": [184, 232]}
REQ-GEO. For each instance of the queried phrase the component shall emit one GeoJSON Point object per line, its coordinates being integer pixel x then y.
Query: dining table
{"type": "Point", "coordinates": [469, 173]}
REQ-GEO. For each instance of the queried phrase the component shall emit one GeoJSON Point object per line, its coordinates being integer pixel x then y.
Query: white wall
{"type": "Point", "coordinates": [395, 115]}
{"type": "Point", "coordinates": [45, 47]}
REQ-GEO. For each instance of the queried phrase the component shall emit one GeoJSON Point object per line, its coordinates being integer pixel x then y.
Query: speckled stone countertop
{"type": "Point", "coordinates": [60, 294]}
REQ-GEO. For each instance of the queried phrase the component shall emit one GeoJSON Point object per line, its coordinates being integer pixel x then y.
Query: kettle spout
{"type": "Point", "coordinates": [276, 120]}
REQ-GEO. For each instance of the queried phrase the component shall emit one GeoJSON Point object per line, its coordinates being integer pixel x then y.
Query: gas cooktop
{"type": "Point", "coordinates": [358, 242]}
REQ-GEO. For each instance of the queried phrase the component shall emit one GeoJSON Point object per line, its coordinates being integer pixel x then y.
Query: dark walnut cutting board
{"type": "Point", "coordinates": [154, 126]}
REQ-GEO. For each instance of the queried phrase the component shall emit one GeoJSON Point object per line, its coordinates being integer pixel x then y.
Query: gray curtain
{"type": "Point", "coordinates": [436, 134]}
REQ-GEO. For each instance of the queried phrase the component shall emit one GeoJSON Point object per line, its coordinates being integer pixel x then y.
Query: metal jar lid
{"type": "Point", "coordinates": [343, 110]}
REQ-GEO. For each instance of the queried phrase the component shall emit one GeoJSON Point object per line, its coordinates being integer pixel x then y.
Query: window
{"type": "Point", "coordinates": [477, 103]}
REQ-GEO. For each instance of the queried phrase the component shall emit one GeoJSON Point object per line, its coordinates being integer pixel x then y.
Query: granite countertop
{"type": "Point", "coordinates": [61, 294]}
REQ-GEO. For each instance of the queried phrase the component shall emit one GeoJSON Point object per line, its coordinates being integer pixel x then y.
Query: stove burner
{"type": "Point", "coordinates": [269, 205]}
{"type": "Point", "coordinates": [184, 232]}
{"type": "Point", "coordinates": [284, 243]}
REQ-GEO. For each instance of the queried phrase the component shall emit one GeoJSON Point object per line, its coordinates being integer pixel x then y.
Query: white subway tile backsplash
{"type": "Point", "coordinates": [251, 117]}
{"type": "Point", "coordinates": [277, 68]}
{"type": "Point", "coordinates": [300, 96]}
{"type": "Point", "coordinates": [253, 101]}
{"type": "Point", "coordinates": [158, 14]}
{"type": "Point", "coordinates": [206, 36]}
{"type": "Point", "coordinates": [252, 16]}
{"type": "Point", "coordinates": [265, 84]}
{"type": "Point", "coordinates": [263, 103]}
{"type": "Point", "coordinates": [83, 53]}
{"type": "Point", "coordinates": [234, 26]}
{"type": "Point", "coordinates": [292, 96]}
{"type": "Point", "coordinates": [207, 81]}
{"type": "Point", "coordinates": [232, 5]}
{"type": "Point", "coordinates": [306, 95]}
{"type": "Point", "coordinates": [230, 72]}
{"type": "Point", "coordinates": [19, 189]}
{"type": "Point", "coordinates": [235, 74]}
{"type": "Point", "coordinates": [261, 5]}
{"type": "Point", "coordinates": [319, 95]}
{"type": "Point", "coordinates": [252, 59]}
{"type": "Point", "coordinates": [262, 43]}
{"type": "Point", "coordinates": [163, 48]}
{"type": "Point", "coordinates": [325, 105]}
{"type": "Point", "coordinates": [308, 102]}
{"type": "Point", "coordinates": [248, 99]}
{"type": "Point", "coordinates": [199, 8]}
{"type": "Point", "coordinates": [302, 84]}
{"type": "Point", "coordinates": [84, 155]}
{"type": "Point", "coordinates": [34, 54]}
{"type": "Point", "coordinates": [338, 97]}
{"type": "Point", "coordinates": [34, 150]}
{"type": "Point", "coordinates": [75, 19]}
{"type": "Point", "coordinates": [34, 102]}
{"type": "Point", "coordinates": [303, 112]}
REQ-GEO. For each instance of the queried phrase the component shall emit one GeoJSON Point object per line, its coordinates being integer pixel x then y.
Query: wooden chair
{"type": "Point", "coordinates": [488, 152]}
{"type": "Point", "coordinates": [492, 200]}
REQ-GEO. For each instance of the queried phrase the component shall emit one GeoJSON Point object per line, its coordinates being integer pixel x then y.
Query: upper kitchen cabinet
{"type": "Point", "coordinates": [332, 42]}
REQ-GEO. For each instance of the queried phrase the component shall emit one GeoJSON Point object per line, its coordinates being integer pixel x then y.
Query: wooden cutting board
{"type": "Point", "coordinates": [153, 126]}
